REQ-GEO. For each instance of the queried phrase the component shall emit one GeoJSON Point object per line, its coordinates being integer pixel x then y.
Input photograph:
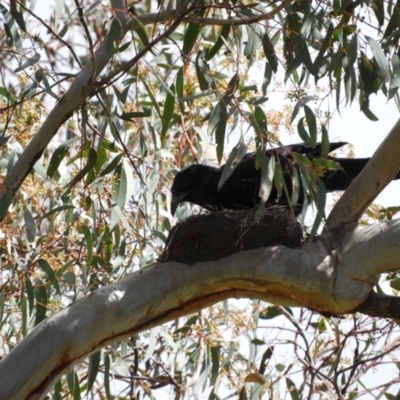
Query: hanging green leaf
{"type": "Point", "coordinates": [294, 394]}
{"type": "Point", "coordinates": [30, 226]}
{"type": "Point", "coordinates": [11, 30]}
{"type": "Point", "coordinates": [114, 36]}
{"type": "Point", "coordinates": [219, 43]}
{"type": "Point", "coordinates": [41, 301]}
{"type": "Point", "coordinates": [231, 89]}
{"type": "Point", "coordinates": [312, 125]}
{"type": "Point", "coordinates": [394, 22]}
{"type": "Point", "coordinates": [152, 98]}
{"type": "Point", "coordinates": [338, 88]}
{"type": "Point", "coordinates": [169, 106]}
{"type": "Point", "coordinates": [253, 40]}
{"type": "Point", "coordinates": [31, 294]}
{"type": "Point", "coordinates": [325, 144]}
{"type": "Point", "coordinates": [94, 363]}
{"type": "Point", "coordinates": [269, 52]}
{"type": "Point", "coordinates": [369, 114]}
{"type": "Point", "coordinates": [319, 198]}
{"type": "Point", "coordinates": [215, 364]}
{"type": "Point", "coordinates": [267, 78]}
{"type": "Point", "coordinates": [63, 30]}
{"type": "Point", "coordinates": [7, 94]}
{"type": "Point", "coordinates": [234, 158]}
{"type": "Point", "coordinates": [91, 162]}
{"type": "Point", "coordinates": [190, 38]}
{"type": "Point", "coordinates": [217, 127]}
{"type": "Point", "coordinates": [302, 57]}
{"type": "Point", "coordinates": [107, 364]}
{"type": "Point", "coordinates": [58, 155]}
{"type": "Point", "coordinates": [120, 189]}
{"type": "Point", "coordinates": [308, 21]}
{"type": "Point", "coordinates": [89, 244]}
{"type": "Point", "coordinates": [380, 58]}
{"type": "Point", "coordinates": [112, 165]}
{"type": "Point", "coordinates": [300, 103]}
{"type": "Point", "coordinates": [304, 135]}
{"type": "Point", "coordinates": [179, 85]}
{"type": "Point", "coordinates": [379, 11]}
{"type": "Point", "coordinates": [141, 31]}
{"type": "Point", "coordinates": [267, 353]}
{"type": "Point", "coordinates": [45, 266]}
{"type": "Point", "coordinates": [352, 50]}
{"type": "Point", "coordinates": [267, 177]}
{"type": "Point", "coordinates": [395, 79]}
{"type": "Point", "coordinates": [203, 72]}
{"type": "Point", "coordinates": [258, 125]}
{"type": "Point", "coordinates": [17, 15]}
{"type": "Point", "coordinates": [325, 45]}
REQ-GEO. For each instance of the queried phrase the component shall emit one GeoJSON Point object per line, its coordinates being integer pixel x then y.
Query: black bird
{"type": "Point", "coordinates": [198, 184]}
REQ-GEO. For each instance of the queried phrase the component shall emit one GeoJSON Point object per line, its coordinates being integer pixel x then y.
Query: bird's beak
{"type": "Point", "coordinates": [174, 204]}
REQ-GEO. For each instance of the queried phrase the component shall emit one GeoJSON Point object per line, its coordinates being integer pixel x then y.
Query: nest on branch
{"type": "Point", "coordinates": [209, 237]}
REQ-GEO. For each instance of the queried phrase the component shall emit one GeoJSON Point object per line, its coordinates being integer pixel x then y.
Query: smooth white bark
{"type": "Point", "coordinates": [81, 88]}
{"type": "Point", "coordinates": [333, 275]}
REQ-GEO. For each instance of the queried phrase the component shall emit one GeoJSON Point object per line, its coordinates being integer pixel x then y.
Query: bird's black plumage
{"type": "Point", "coordinates": [198, 184]}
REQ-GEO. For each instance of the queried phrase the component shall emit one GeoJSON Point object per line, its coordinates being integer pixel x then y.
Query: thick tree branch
{"type": "Point", "coordinates": [81, 89]}
{"type": "Point", "coordinates": [380, 305]}
{"type": "Point", "coordinates": [73, 98]}
{"type": "Point", "coordinates": [369, 251]}
{"type": "Point", "coordinates": [380, 171]}
{"type": "Point", "coordinates": [317, 276]}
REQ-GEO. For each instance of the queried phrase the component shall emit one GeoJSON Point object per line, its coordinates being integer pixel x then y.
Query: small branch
{"type": "Point", "coordinates": [89, 38]}
{"type": "Point", "coordinates": [55, 34]}
{"type": "Point", "coordinates": [78, 92]}
{"type": "Point", "coordinates": [240, 21]}
{"type": "Point", "coordinates": [114, 76]}
{"type": "Point", "coordinates": [380, 305]}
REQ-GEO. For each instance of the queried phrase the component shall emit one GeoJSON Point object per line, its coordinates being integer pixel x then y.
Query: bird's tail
{"type": "Point", "coordinates": [339, 180]}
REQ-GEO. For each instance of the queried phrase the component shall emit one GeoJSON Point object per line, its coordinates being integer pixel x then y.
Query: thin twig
{"type": "Point", "coordinates": [89, 38]}
{"type": "Point", "coordinates": [76, 58]}
{"type": "Point", "coordinates": [241, 21]}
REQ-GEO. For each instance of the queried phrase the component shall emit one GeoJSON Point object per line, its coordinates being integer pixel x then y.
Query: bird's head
{"type": "Point", "coordinates": [194, 184]}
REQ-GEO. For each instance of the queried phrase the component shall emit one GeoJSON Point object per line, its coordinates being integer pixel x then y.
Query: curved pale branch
{"type": "Point", "coordinates": [84, 86]}
{"type": "Point", "coordinates": [81, 88]}
{"type": "Point", "coordinates": [371, 250]}
{"type": "Point", "coordinates": [77, 93]}
{"type": "Point", "coordinates": [379, 172]}
{"type": "Point", "coordinates": [328, 275]}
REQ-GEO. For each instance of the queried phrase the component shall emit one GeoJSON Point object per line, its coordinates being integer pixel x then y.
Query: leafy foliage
{"type": "Point", "coordinates": [93, 206]}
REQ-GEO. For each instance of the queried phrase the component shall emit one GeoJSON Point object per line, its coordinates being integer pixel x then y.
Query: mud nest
{"type": "Point", "coordinates": [209, 237]}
